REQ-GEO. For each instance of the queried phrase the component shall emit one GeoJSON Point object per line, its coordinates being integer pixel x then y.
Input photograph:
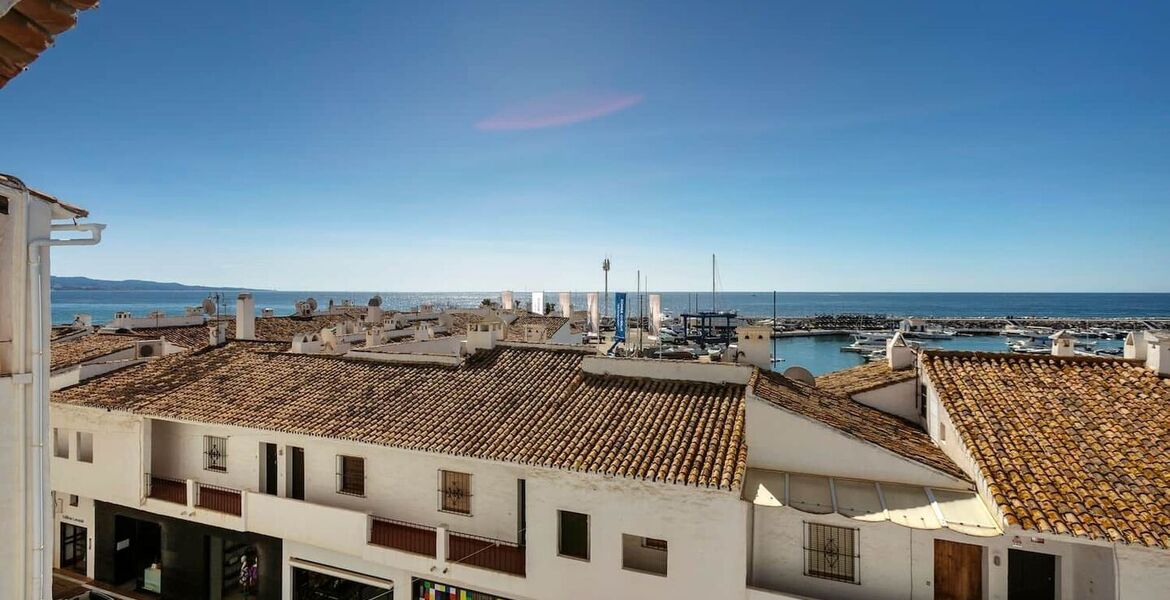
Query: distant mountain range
{"type": "Point", "coordinates": [85, 283]}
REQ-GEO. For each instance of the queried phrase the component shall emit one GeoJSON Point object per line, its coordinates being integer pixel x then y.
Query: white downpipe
{"type": "Point", "coordinates": [38, 451]}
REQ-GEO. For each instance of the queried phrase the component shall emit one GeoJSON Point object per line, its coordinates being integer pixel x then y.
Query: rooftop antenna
{"type": "Point", "coordinates": [209, 306]}
{"type": "Point", "coordinates": [605, 268]}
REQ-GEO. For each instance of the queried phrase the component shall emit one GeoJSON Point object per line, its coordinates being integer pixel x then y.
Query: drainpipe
{"type": "Point", "coordinates": [39, 484]}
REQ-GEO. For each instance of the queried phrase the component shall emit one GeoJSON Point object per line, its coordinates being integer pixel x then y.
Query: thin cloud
{"type": "Point", "coordinates": [559, 110]}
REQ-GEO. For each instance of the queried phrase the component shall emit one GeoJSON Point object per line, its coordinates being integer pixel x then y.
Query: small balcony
{"type": "Point", "coordinates": [486, 553]}
{"type": "Point", "coordinates": [167, 489]}
{"type": "Point", "coordinates": [400, 535]}
{"type": "Point", "coordinates": [219, 499]}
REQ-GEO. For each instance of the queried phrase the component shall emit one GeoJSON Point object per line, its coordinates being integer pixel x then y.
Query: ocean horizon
{"type": "Point", "coordinates": [102, 304]}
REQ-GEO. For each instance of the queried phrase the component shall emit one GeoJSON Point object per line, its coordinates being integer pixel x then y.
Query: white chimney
{"type": "Point", "coordinates": [754, 345]}
{"type": "Point", "coordinates": [899, 354]}
{"type": "Point", "coordinates": [374, 313]}
{"type": "Point", "coordinates": [507, 301]}
{"type": "Point", "coordinates": [1158, 352]}
{"type": "Point", "coordinates": [538, 302]}
{"type": "Point", "coordinates": [423, 332]}
{"type": "Point", "coordinates": [594, 313]}
{"type": "Point", "coordinates": [306, 343]}
{"type": "Point", "coordinates": [656, 314]}
{"type": "Point", "coordinates": [1063, 343]}
{"type": "Point", "coordinates": [480, 337]}
{"type": "Point", "coordinates": [1135, 345]}
{"type": "Point", "coordinates": [217, 333]}
{"type": "Point", "coordinates": [245, 317]}
{"type": "Point", "coordinates": [267, 312]}
{"type": "Point", "coordinates": [82, 321]}
{"type": "Point", "coordinates": [566, 305]}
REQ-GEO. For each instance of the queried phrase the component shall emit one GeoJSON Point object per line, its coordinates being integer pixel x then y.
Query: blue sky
{"type": "Point", "coordinates": [866, 146]}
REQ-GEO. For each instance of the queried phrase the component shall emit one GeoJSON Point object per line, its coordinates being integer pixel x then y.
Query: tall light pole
{"type": "Point", "coordinates": [605, 267]}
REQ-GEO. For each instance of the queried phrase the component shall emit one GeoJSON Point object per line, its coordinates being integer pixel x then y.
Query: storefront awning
{"type": "Point", "coordinates": [910, 506]}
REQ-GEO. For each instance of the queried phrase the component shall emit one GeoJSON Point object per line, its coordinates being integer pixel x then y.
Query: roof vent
{"type": "Point", "coordinates": [1063, 344]}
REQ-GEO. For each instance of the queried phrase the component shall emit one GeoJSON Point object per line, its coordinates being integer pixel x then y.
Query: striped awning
{"type": "Point", "coordinates": [910, 506]}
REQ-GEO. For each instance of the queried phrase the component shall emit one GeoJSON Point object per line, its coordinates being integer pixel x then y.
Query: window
{"type": "Point", "coordinates": [644, 554]}
{"type": "Point", "coordinates": [573, 534]}
{"type": "Point", "coordinates": [215, 453]}
{"type": "Point", "coordinates": [60, 443]}
{"type": "Point", "coordinates": [455, 492]}
{"type": "Point", "coordinates": [351, 475]}
{"type": "Point", "coordinates": [85, 446]}
{"type": "Point", "coordinates": [74, 500]}
{"type": "Point", "coordinates": [831, 552]}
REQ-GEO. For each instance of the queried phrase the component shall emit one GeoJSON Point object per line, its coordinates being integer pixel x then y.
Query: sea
{"type": "Point", "coordinates": [818, 354]}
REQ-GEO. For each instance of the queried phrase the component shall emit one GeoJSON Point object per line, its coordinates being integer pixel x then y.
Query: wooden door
{"type": "Point", "coordinates": [958, 571]}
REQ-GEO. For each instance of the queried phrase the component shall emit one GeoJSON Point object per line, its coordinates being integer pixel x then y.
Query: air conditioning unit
{"type": "Point", "coordinates": [148, 349]}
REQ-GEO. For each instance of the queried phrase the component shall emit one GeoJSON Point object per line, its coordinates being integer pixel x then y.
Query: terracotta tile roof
{"type": "Point", "coordinates": [853, 418]}
{"type": "Point", "coordinates": [191, 337]}
{"type": "Point", "coordinates": [274, 329]}
{"type": "Point", "coordinates": [29, 28]}
{"type": "Point", "coordinates": [863, 378]}
{"type": "Point", "coordinates": [65, 353]}
{"type": "Point", "coordinates": [1069, 445]}
{"type": "Point", "coordinates": [525, 405]}
{"type": "Point", "coordinates": [549, 324]}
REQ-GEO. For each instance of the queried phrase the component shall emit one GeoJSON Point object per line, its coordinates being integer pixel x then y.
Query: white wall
{"type": "Point", "coordinates": [116, 473]}
{"type": "Point", "coordinates": [899, 399]}
{"type": "Point", "coordinates": [783, 441]}
{"type": "Point", "coordinates": [704, 529]}
{"type": "Point", "coordinates": [898, 562]}
{"type": "Point", "coordinates": [1143, 572]}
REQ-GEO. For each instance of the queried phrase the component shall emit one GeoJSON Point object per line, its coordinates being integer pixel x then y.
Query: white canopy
{"type": "Point", "coordinates": [910, 506]}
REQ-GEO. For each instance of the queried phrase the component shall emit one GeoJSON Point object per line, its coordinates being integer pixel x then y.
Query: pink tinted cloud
{"type": "Point", "coordinates": [559, 110]}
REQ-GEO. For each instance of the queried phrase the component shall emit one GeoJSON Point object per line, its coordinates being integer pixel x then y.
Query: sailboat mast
{"type": "Point", "coordinates": [713, 307]}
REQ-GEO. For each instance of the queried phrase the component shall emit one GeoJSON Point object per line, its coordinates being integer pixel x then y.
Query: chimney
{"type": "Point", "coordinates": [374, 311]}
{"type": "Point", "coordinates": [899, 354]}
{"type": "Point", "coordinates": [245, 317]}
{"type": "Point", "coordinates": [1135, 345]}
{"type": "Point", "coordinates": [1063, 343]}
{"type": "Point", "coordinates": [566, 305]}
{"type": "Point", "coordinates": [373, 336]}
{"type": "Point", "coordinates": [507, 301]}
{"type": "Point", "coordinates": [538, 303]}
{"type": "Point", "coordinates": [267, 312]}
{"type": "Point", "coordinates": [755, 345]}
{"type": "Point", "coordinates": [217, 333]}
{"type": "Point", "coordinates": [1158, 353]}
{"type": "Point", "coordinates": [480, 337]}
{"type": "Point", "coordinates": [594, 313]}
{"type": "Point", "coordinates": [306, 343]}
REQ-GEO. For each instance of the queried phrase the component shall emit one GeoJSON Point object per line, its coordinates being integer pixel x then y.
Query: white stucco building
{"type": "Point", "coordinates": [29, 219]}
{"type": "Point", "coordinates": [539, 470]}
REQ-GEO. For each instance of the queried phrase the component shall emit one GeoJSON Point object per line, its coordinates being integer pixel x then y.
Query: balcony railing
{"type": "Point", "coordinates": [485, 552]}
{"type": "Point", "coordinates": [400, 535]}
{"type": "Point", "coordinates": [219, 499]}
{"type": "Point", "coordinates": [168, 489]}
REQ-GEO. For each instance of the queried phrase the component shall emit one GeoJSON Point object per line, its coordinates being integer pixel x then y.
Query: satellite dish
{"type": "Point", "coordinates": [209, 305]}
{"type": "Point", "coordinates": [800, 374]}
{"type": "Point", "coordinates": [312, 302]}
{"type": "Point", "coordinates": [376, 301]}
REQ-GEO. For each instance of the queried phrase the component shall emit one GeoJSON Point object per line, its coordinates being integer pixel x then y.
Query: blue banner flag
{"type": "Point", "coordinates": [619, 317]}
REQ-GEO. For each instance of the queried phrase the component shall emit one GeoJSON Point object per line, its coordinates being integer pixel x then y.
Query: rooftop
{"type": "Point", "coordinates": [74, 351]}
{"type": "Point", "coordinates": [274, 329]}
{"type": "Point", "coordinates": [531, 406]}
{"type": "Point", "coordinates": [853, 418]}
{"type": "Point", "coordinates": [30, 27]}
{"type": "Point", "coordinates": [1068, 445]}
{"type": "Point", "coordinates": [863, 378]}
{"type": "Point", "coordinates": [549, 324]}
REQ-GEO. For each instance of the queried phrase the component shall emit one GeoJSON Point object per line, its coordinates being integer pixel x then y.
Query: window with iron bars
{"type": "Point", "coordinates": [455, 492]}
{"type": "Point", "coordinates": [215, 453]}
{"type": "Point", "coordinates": [351, 475]}
{"type": "Point", "coordinates": [831, 552]}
